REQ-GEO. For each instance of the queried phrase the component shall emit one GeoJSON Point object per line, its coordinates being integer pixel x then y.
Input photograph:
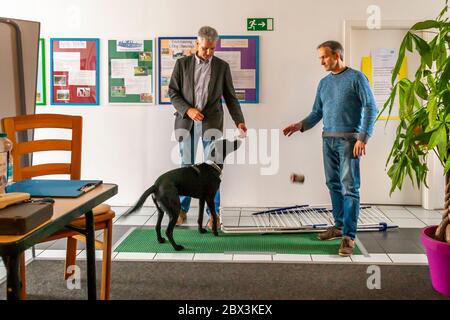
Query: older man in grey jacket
{"type": "Point", "coordinates": [196, 88]}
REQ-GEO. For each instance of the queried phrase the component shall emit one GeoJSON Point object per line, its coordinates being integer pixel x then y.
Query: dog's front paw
{"type": "Point", "coordinates": [202, 230]}
{"type": "Point", "coordinates": [178, 247]}
{"type": "Point", "coordinates": [215, 233]}
{"type": "Point", "coordinates": [161, 240]}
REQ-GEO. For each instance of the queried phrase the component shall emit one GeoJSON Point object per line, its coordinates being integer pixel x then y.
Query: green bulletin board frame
{"type": "Point", "coordinates": [41, 89]}
{"type": "Point", "coordinates": [116, 86]}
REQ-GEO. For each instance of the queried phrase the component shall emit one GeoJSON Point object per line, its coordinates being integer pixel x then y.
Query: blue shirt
{"type": "Point", "coordinates": [346, 104]}
{"type": "Point", "coordinates": [202, 76]}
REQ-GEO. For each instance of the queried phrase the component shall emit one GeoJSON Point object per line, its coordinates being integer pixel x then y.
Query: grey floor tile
{"type": "Point", "coordinates": [370, 243]}
{"type": "Point", "coordinates": [44, 245]}
{"type": "Point", "coordinates": [392, 241]}
{"type": "Point", "coordinates": [118, 232]}
{"type": "Point", "coordinates": [401, 246]}
{"type": "Point", "coordinates": [403, 234]}
{"type": "Point", "coordinates": [61, 244]}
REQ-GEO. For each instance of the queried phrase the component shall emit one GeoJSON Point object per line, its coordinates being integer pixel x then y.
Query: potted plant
{"type": "Point", "coordinates": [424, 110]}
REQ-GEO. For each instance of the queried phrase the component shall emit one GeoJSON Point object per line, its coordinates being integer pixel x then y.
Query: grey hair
{"type": "Point", "coordinates": [207, 33]}
{"type": "Point", "coordinates": [334, 46]}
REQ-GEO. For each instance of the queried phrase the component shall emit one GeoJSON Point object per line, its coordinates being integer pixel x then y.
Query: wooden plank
{"type": "Point", "coordinates": [44, 145]}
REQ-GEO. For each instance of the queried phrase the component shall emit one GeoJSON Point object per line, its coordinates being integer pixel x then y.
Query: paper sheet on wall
{"type": "Point", "coordinates": [123, 68]}
{"type": "Point", "coordinates": [232, 57]}
{"type": "Point", "coordinates": [138, 85]}
{"type": "Point", "coordinates": [234, 43]}
{"type": "Point", "coordinates": [82, 78]}
{"type": "Point", "coordinates": [130, 45]}
{"type": "Point", "coordinates": [167, 66]}
{"type": "Point", "coordinates": [383, 62]}
{"type": "Point", "coordinates": [244, 79]}
{"type": "Point", "coordinates": [72, 44]}
{"type": "Point", "coordinates": [66, 61]}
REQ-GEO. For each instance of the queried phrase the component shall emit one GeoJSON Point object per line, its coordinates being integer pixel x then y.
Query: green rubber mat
{"type": "Point", "coordinates": [144, 240]}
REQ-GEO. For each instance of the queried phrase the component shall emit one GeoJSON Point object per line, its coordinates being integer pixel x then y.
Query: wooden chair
{"type": "Point", "coordinates": [103, 215]}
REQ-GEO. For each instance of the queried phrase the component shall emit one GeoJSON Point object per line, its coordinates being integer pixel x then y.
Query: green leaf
{"type": "Point", "coordinates": [438, 137]}
{"type": "Point", "coordinates": [421, 90]}
{"type": "Point", "coordinates": [424, 50]}
{"type": "Point", "coordinates": [432, 109]}
{"type": "Point", "coordinates": [447, 166]}
{"type": "Point", "coordinates": [428, 24]}
{"type": "Point", "coordinates": [389, 102]}
{"type": "Point", "coordinates": [431, 82]}
{"type": "Point", "coordinates": [401, 56]}
{"type": "Point", "coordinates": [445, 75]}
{"type": "Point", "coordinates": [408, 44]}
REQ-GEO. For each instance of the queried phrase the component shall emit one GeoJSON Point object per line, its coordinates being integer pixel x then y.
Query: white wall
{"type": "Point", "coordinates": [131, 145]}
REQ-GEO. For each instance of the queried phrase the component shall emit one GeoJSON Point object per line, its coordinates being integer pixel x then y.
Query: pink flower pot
{"type": "Point", "coordinates": [438, 254]}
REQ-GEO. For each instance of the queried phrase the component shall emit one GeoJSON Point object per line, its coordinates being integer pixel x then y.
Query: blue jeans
{"type": "Point", "coordinates": [188, 150]}
{"type": "Point", "coordinates": [343, 181]}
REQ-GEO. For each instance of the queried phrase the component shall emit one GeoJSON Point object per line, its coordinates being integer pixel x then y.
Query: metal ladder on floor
{"type": "Point", "coordinates": [303, 218]}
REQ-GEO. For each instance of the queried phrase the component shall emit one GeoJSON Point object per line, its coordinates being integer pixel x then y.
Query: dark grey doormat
{"type": "Point", "coordinates": [205, 281]}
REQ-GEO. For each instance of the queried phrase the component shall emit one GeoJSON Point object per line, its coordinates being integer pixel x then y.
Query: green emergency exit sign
{"type": "Point", "coordinates": [259, 24]}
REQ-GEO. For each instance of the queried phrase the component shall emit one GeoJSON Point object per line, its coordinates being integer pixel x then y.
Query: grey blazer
{"type": "Point", "coordinates": [181, 93]}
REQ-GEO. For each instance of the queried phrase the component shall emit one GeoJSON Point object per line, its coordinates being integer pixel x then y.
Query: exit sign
{"type": "Point", "coordinates": [259, 24]}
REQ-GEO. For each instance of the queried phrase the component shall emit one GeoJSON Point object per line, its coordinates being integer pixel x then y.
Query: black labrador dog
{"type": "Point", "coordinates": [199, 181]}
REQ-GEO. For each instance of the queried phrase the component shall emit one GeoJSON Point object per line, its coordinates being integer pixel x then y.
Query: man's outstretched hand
{"type": "Point", "coordinates": [291, 129]}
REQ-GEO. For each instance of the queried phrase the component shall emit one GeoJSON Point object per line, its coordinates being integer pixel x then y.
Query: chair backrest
{"type": "Point", "coordinates": [12, 125]}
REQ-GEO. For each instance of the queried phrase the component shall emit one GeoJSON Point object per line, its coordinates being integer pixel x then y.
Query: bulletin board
{"type": "Point", "coordinates": [242, 54]}
{"type": "Point", "coordinates": [74, 71]}
{"type": "Point", "coordinates": [41, 97]}
{"type": "Point", "coordinates": [130, 75]}
{"type": "Point", "coordinates": [170, 49]}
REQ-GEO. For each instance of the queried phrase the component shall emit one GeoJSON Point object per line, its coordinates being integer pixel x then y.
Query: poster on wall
{"type": "Point", "coordinates": [74, 71]}
{"type": "Point", "coordinates": [378, 69]}
{"type": "Point", "coordinates": [41, 98]}
{"type": "Point", "coordinates": [170, 49]}
{"type": "Point", "coordinates": [130, 75]}
{"type": "Point", "coordinates": [242, 54]}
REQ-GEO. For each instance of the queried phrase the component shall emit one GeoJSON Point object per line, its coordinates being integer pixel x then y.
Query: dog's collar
{"type": "Point", "coordinates": [215, 166]}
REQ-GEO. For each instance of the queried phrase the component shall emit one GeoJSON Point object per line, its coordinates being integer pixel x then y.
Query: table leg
{"type": "Point", "coordinates": [12, 277]}
{"type": "Point", "coordinates": [90, 253]}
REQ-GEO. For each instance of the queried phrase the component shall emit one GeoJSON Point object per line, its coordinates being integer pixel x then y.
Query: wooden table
{"type": "Point", "coordinates": [64, 211]}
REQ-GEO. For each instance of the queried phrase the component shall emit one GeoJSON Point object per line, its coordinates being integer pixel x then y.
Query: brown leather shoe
{"type": "Point", "coordinates": [210, 222]}
{"type": "Point", "coordinates": [330, 234]}
{"type": "Point", "coordinates": [181, 217]}
{"type": "Point", "coordinates": [347, 246]}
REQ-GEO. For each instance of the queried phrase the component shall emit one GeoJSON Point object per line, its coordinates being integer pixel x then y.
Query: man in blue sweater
{"type": "Point", "coordinates": [346, 104]}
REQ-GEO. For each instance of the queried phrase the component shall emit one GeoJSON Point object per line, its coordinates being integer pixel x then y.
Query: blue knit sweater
{"type": "Point", "coordinates": [346, 104]}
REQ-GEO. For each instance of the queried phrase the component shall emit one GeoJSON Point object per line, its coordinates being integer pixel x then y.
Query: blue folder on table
{"type": "Point", "coordinates": [53, 188]}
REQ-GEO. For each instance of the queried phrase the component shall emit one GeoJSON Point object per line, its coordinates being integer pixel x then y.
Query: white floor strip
{"type": "Point", "coordinates": [212, 257]}
{"type": "Point", "coordinates": [134, 256]}
{"type": "Point", "coordinates": [330, 258]}
{"type": "Point", "coordinates": [53, 255]}
{"type": "Point", "coordinates": [291, 258]}
{"type": "Point", "coordinates": [372, 258]}
{"type": "Point", "coordinates": [174, 256]}
{"type": "Point", "coordinates": [252, 257]}
{"type": "Point", "coordinates": [408, 258]}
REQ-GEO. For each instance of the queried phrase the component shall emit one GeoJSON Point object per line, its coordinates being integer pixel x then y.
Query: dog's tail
{"type": "Point", "coordinates": [141, 200]}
